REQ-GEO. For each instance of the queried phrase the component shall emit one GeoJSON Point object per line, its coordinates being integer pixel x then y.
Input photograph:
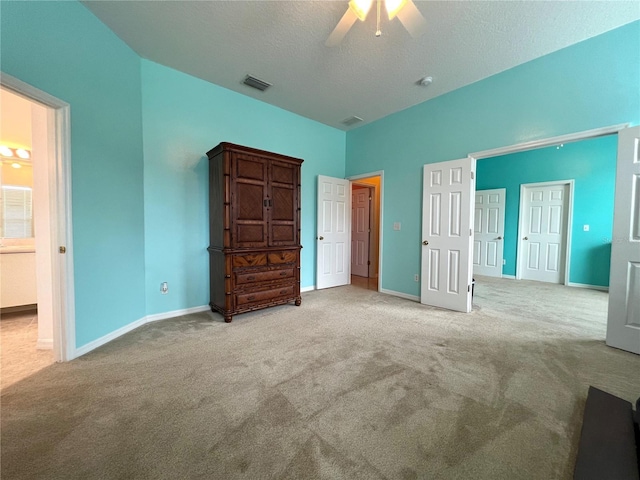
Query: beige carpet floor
{"type": "Point", "coordinates": [19, 357]}
{"type": "Point", "coordinates": [352, 384]}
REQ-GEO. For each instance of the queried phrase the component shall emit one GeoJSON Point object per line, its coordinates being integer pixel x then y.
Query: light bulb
{"type": "Point", "coordinates": [16, 165]}
{"type": "Point", "coordinates": [393, 7]}
{"type": "Point", "coordinates": [6, 151]}
{"type": "Point", "coordinates": [360, 8]}
{"type": "Point", "coordinates": [22, 153]}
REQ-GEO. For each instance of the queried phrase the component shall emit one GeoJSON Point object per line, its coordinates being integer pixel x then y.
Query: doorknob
{"type": "Point", "coordinates": [320, 238]}
{"type": "Point", "coordinates": [425, 242]}
{"type": "Point", "coordinates": [499, 238]}
{"type": "Point", "coordinates": [526, 238]}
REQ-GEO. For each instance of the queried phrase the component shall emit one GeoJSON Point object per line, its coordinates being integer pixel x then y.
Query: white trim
{"type": "Point", "coordinates": [569, 225]}
{"type": "Point", "coordinates": [548, 142]}
{"type": "Point", "coordinates": [307, 289]}
{"type": "Point", "coordinates": [377, 173]}
{"type": "Point", "coordinates": [510, 277]}
{"type": "Point", "coordinates": [133, 325]}
{"type": "Point", "coordinates": [44, 344]}
{"type": "Point", "coordinates": [406, 296]}
{"type": "Point", "coordinates": [176, 313]}
{"type": "Point", "coordinates": [61, 216]}
{"type": "Point", "coordinates": [98, 342]}
{"type": "Point", "coordinates": [591, 287]}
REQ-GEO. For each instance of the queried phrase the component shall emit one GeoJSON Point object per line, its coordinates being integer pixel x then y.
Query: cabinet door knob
{"type": "Point", "coordinates": [425, 242]}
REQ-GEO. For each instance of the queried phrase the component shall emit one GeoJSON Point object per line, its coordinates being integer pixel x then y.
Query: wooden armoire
{"type": "Point", "coordinates": [254, 225]}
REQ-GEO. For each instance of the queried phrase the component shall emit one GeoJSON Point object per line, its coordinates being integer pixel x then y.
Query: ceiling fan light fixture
{"type": "Point", "coordinates": [360, 8]}
{"type": "Point", "coordinates": [393, 7]}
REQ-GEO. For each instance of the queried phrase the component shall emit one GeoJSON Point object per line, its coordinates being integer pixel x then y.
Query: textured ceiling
{"type": "Point", "coordinates": [282, 42]}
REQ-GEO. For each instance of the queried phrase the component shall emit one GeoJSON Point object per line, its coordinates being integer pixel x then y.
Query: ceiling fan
{"type": "Point", "coordinates": [405, 10]}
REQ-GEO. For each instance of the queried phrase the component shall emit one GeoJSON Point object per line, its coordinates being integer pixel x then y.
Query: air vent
{"type": "Point", "coordinates": [256, 83]}
{"type": "Point", "coordinates": [351, 121]}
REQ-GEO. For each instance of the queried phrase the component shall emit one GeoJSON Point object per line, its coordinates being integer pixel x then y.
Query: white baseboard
{"type": "Point", "coordinates": [98, 342]}
{"type": "Point", "coordinates": [592, 287]}
{"type": "Point", "coordinates": [415, 298]}
{"type": "Point", "coordinates": [86, 348]}
{"type": "Point", "coordinates": [44, 344]}
{"type": "Point", "coordinates": [512, 277]}
{"type": "Point", "coordinates": [307, 289]}
{"type": "Point", "coordinates": [176, 313]}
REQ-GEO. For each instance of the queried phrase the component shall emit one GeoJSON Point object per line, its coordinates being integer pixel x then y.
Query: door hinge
{"type": "Point", "coordinates": [62, 249]}
{"type": "Point", "coordinates": [468, 288]}
{"type": "Point", "coordinates": [472, 175]}
{"type": "Point", "coordinates": [471, 232]}
{"type": "Point", "coordinates": [369, 262]}
{"type": "Point", "coordinates": [370, 198]}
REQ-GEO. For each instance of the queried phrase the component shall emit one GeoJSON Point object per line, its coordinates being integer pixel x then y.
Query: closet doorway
{"type": "Point", "coordinates": [365, 231]}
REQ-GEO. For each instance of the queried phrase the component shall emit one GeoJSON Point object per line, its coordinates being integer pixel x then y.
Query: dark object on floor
{"type": "Point", "coordinates": [609, 439]}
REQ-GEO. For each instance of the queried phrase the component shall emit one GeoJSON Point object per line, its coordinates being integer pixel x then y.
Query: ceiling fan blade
{"type": "Point", "coordinates": [412, 19]}
{"type": "Point", "coordinates": [345, 23]}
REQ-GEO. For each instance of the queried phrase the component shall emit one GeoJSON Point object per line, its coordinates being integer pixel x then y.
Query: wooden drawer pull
{"type": "Point", "coordinates": [283, 274]}
{"type": "Point", "coordinates": [284, 292]}
{"type": "Point", "coordinates": [250, 298]}
{"type": "Point", "coordinates": [251, 277]}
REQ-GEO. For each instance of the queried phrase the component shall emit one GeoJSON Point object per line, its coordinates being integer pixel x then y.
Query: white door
{"type": "Point", "coordinates": [543, 231]}
{"type": "Point", "coordinates": [447, 235]}
{"type": "Point", "coordinates": [360, 230]}
{"type": "Point", "coordinates": [488, 232]}
{"type": "Point", "coordinates": [333, 259]}
{"type": "Point", "coordinates": [623, 325]}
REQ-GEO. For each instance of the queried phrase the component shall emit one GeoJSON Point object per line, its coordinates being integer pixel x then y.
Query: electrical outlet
{"type": "Point", "coordinates": [164, 288]}
{"type": "Point", "coordinates": [416, 278]}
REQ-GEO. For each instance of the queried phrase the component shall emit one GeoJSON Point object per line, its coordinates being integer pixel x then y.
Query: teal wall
{"type": "Point", "coordinates": [184, 117]}
{"type": "Point", "coordinates": [589, 85]}
{"type": "Point", "coordinates": [62, 49]}
{"type": "Point", "coordinates": [592, 164]}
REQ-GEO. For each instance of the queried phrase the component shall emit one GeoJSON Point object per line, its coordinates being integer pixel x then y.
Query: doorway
{"type": "Point", "coordinates": [365, 231]}
{"type": "Point", "coordinates": [51, 207]}
{"type": "Point", "coordinates": [26, 327]}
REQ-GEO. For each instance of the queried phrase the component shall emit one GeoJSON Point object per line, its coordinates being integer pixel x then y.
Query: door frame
{"type": "Point", "coordinates": [354, 179]}
{"type": "Point", "coordinates": [61, 229]}
{"type": "Point", "coordinates": [568, 226]}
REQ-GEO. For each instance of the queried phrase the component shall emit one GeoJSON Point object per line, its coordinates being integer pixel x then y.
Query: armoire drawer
{"type": "Point", "coordinates": [249, 260]}
{"type": "Point", "coordinates": [243, 277]}
{"type": "Point", "coordinates": [264, 295]}
{"type": "Point", "coordinates": [286, 256]}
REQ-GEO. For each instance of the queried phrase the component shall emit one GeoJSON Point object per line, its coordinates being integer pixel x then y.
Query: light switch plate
{"type": "Point", "coordinates": [585, 228]}
{"type": "Point", "coordinates": [396, 225]}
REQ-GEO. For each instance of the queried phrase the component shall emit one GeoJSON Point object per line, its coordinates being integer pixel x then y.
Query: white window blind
{"type": "Point", "coordinates": [17, 212]}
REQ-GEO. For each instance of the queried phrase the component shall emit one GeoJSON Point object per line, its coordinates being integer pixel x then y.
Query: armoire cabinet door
{"type": "Point", "coordinates": [283, 203]}
{"type": "Point", "coordinates": [248, 207]}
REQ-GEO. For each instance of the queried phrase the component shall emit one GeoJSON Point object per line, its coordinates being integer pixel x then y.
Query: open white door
{"type": "Point", "coordinates": [447, 235]}
{"type": "Point", "coordinates": [544, 230]}
{"type": "Point", "coordinates": [623, 325]}
{"type": "Point", "coordinates": [334, 231]}
{"type": "Point", "coordinates": [360, 230]}
{"type": "Point", "coordinates": [488, 232]}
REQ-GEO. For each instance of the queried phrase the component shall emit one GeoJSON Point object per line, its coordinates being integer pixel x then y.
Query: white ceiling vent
{"type": "Point", "coordinates": [351, 121]}
{"type": "Point", "coordinates": [256, 83]}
